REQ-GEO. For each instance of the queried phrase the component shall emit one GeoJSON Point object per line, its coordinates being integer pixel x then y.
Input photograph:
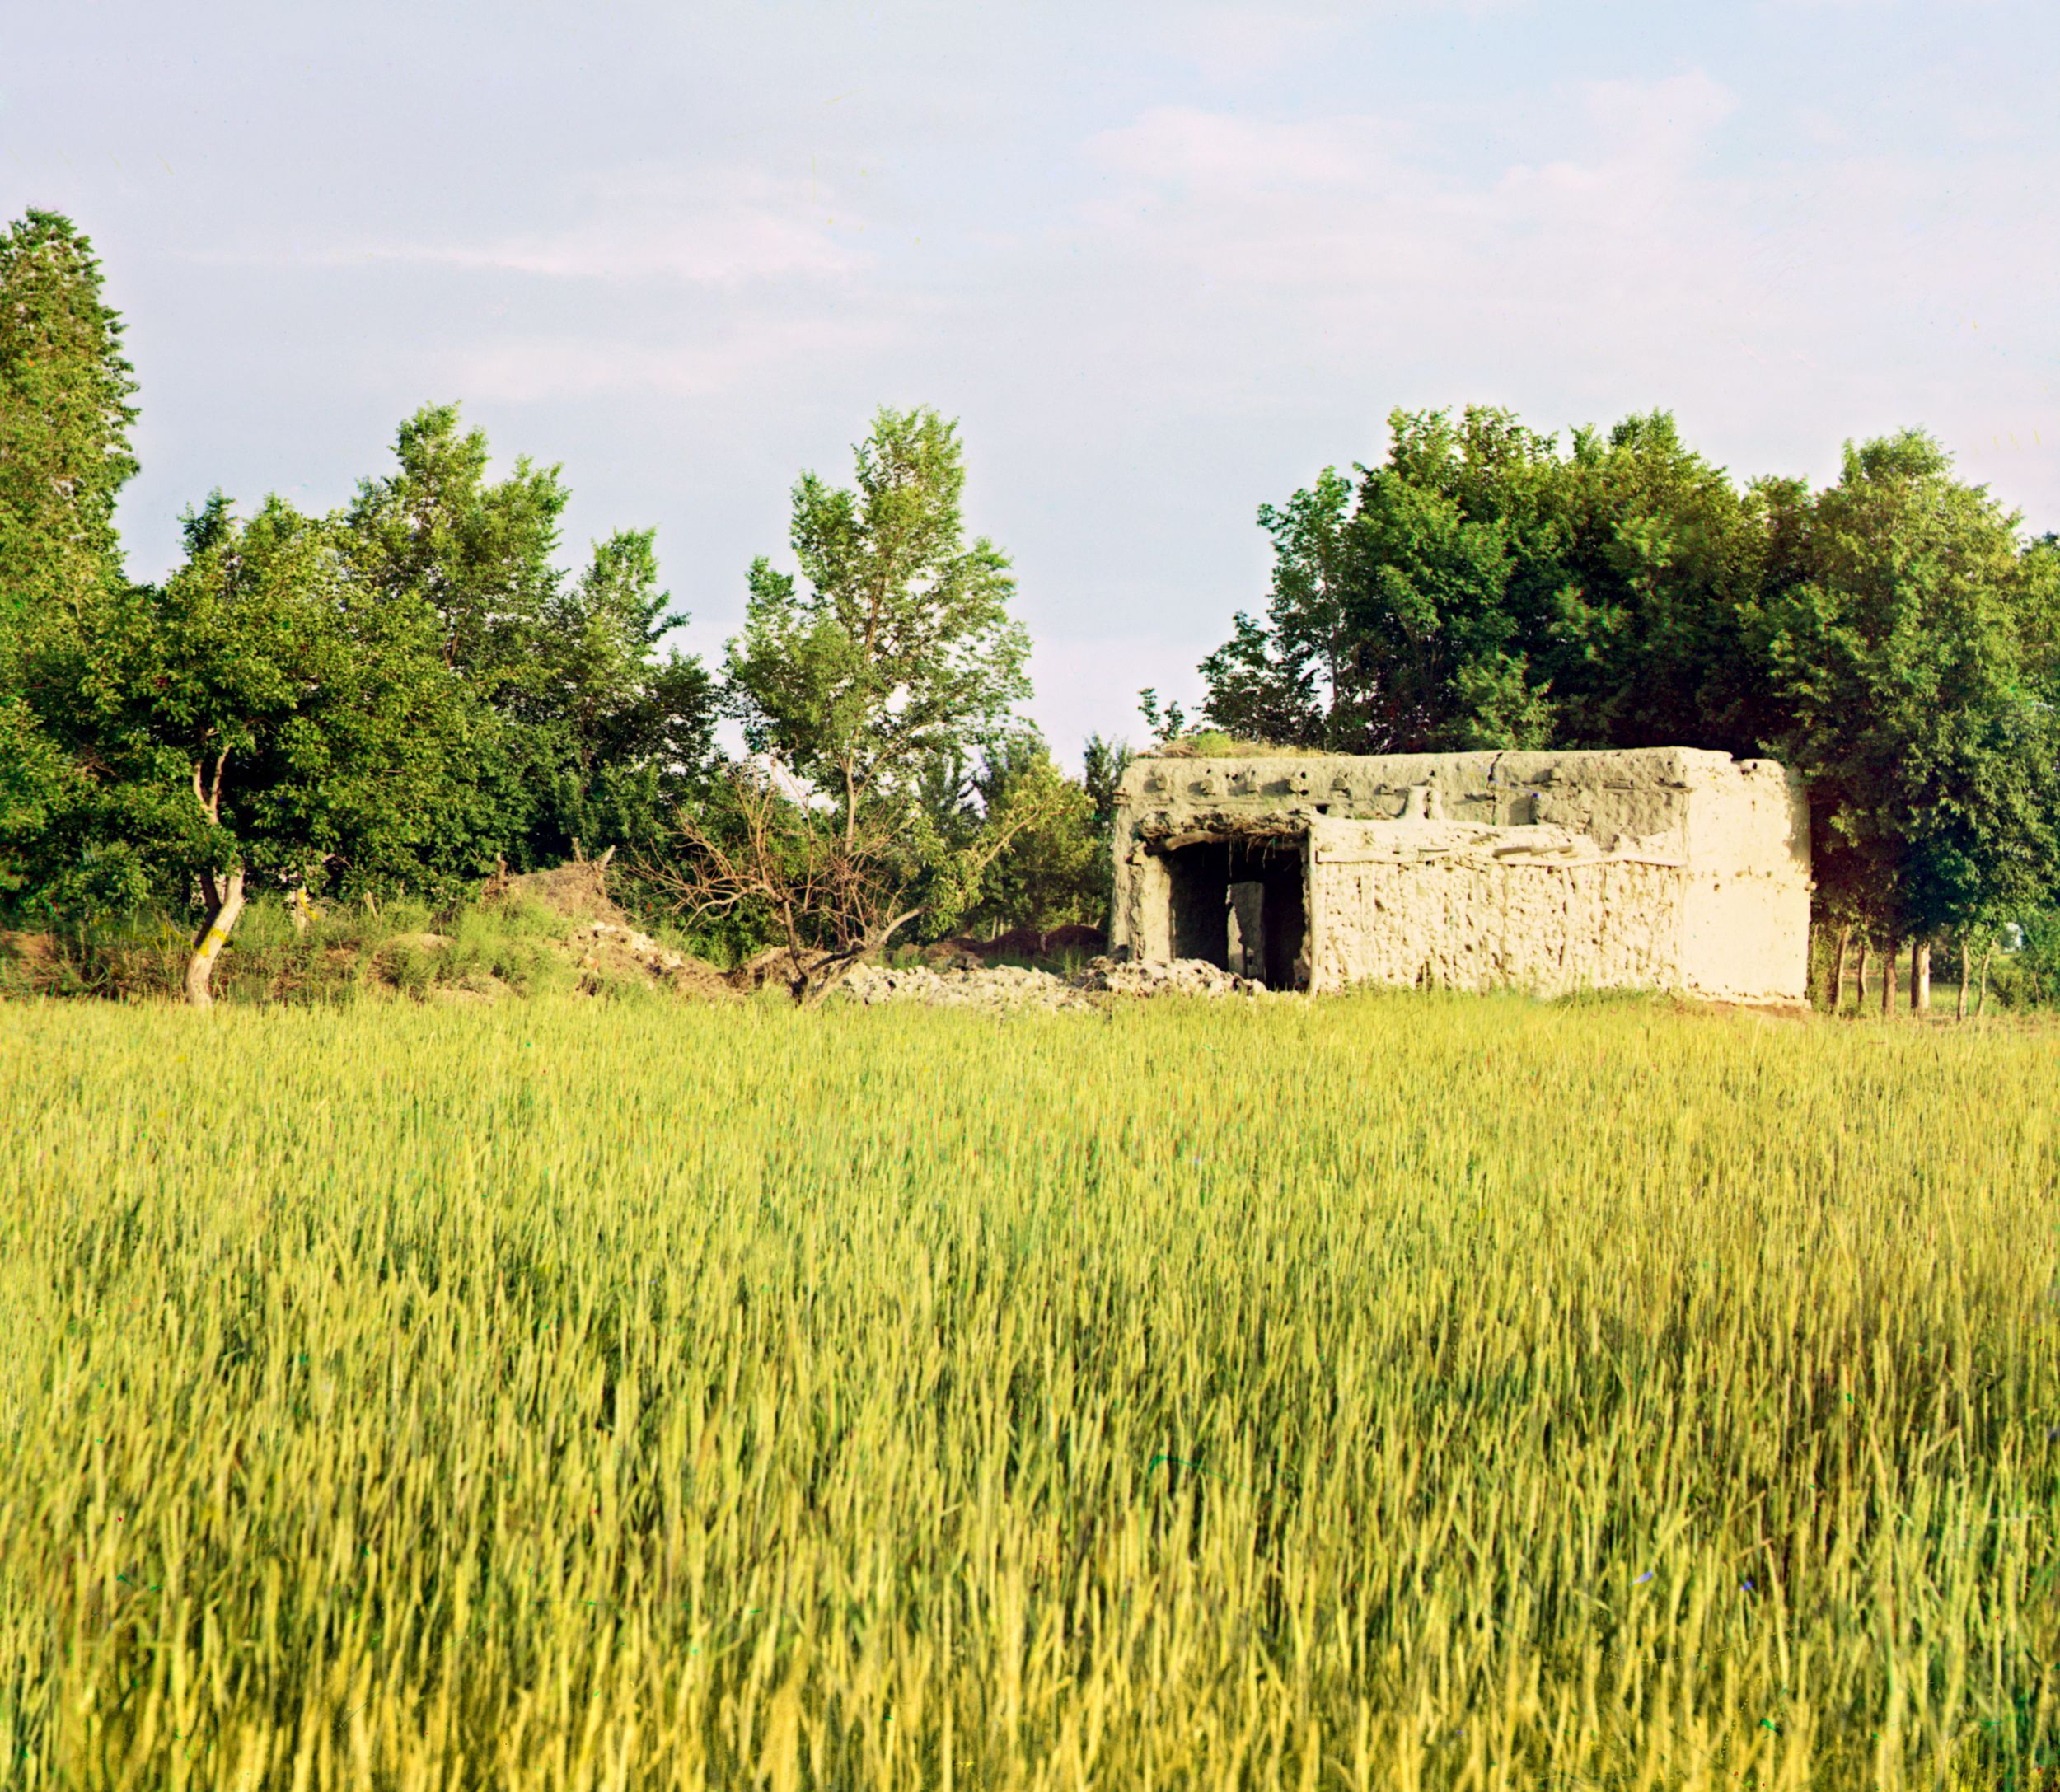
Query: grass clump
{"type": "Point", "coordinates": [1390, 1392]}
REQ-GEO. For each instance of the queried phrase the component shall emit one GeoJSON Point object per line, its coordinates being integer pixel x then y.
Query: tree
{"type": "Point", "coordinates": [898, 655]}
{"type": "Point", "coordinates": [267, 716]}
{"type": "Point", "coordinates": [1283, 681]}
{"type": "Point", "coordinates": [64, 455]}
{"type": "Point", "coordinates": [1645, 644]}
{"type": "Point", "coordinates": [1403, 627]}
{"type": "Point", "coordinates": [625, 733]}
{"type": "Point", "coordinates": [1051, 872]}
{"type": "Point", "coordinates": [1915, 660]}
{"type": "Point", "coordinates": [583, 734]}
{"type": "Point", "coordinates": [64, 422]}
{"type": "Point", "coordinates": [1103, 763]}
{"type": "Point", "coordinates": [899, 647]}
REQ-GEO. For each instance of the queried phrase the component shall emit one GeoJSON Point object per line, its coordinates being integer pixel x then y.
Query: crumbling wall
{"type": "Point", "coordinates": [1668, 868]}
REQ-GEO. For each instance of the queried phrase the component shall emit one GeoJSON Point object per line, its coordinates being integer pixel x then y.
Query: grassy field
{"type": "Point", "coordinates": [1408, 1392]}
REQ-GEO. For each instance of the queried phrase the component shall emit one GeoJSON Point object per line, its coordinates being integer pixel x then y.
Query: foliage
{"type": "Point", "coordinates": [863, 693]}
{"type": "Point", "coordinates": [1052, 871]}
{"type": "Point", "coordinates": [1084, 1423]}
{"type": "Point", "coordinates": [64, 455]}
{"type": "Point", "coordinates": [1915, 660]}
{"type": "Point", "coordinates": [277, 717]}
{"type": "Point", "coordinates": [582, 733]}
{"type": "Point", "coordinates": [899, 647]}
{"type": "Point", "coordinates": [64, 422]}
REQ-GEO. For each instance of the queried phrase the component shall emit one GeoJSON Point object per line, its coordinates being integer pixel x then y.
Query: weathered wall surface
{"type": "Point", "coordinates": [1671, 869]}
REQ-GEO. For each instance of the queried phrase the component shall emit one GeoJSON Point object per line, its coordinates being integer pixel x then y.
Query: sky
{"type": "Point", "coordinates": [1163, 263]}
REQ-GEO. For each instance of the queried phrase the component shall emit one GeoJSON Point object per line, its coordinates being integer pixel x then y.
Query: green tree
{"type": "Point", "coordinates": [626, 733]}
{"type": "Point", "coordinates": [1283, 680]}
{"type": "Point", "coordinates": [64, 421]}
{"type": "Point", "coordinates": [65, 415]}
{"type": "Point", "coordinates": [584, 733]}
{"type": "Point", "coordinates": [863, 688]}
{"type": "Point", "coordinates": [1645, 643]}
{"type": "Point", "coordinates": [265, 715]}
{"type": "Point", "coordinates": [1915, 660]}
{"type": "Point", "coordinates": [1049, 874]}
{"type": "Point", "coordinates": [899, 646]}
{"type": "Point", "coordinates": [1406, 625]}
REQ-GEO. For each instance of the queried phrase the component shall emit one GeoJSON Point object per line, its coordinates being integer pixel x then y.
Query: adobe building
{"type": "Point", "coordinates": [1665, 868]}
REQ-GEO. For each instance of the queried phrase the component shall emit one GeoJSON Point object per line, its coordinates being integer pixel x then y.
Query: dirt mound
{"type": "Point", "coordinates": [30, 964]}
{"type": "Point", "coordinates": [614, 949]}
{"type": "Point", "coordinates": [995, 988]}
{"type": "Point", "coordinates": [579, 891]}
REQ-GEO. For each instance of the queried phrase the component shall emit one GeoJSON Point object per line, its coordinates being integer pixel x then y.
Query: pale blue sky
{"type": "Point", "coordinates": [1163, 262]}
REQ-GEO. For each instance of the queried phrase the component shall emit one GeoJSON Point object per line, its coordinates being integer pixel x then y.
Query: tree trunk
{"type": "Point", "coordinates": [225, 903]}
{"type": "Point", "coordinates": [297, 906]}
{"type": "Point", "coordinates": [1988, 951]}
{"type": "Point", "coordinates": [1888, 978]}
{"type": "Point", "coordinates": [1838, 966]}
{"type": "Point", "coordinates": [1921, 976]}
{"type": "Point", "coordinates": [1966, 965]}
{"type": "Point", "coordinates": [1860, 976]}
{"type": "Point", "coordinates": [818, 980]}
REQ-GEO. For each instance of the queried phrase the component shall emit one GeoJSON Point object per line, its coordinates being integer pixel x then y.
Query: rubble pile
{"type": "Point", "coordinates": [1004, 986]}
{"type": "Point", "coordinates": [1182, 976]}
{"type": "Point", "coordinates": [1000, 987]}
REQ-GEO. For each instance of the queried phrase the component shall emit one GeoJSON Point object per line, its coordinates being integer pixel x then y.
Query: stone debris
{"type": "Point", "coordinates": [611, 946]}
{"type": "Point", "coordinates": [655, 958]}
{"type": "Point", "coordinates": [1006, 986]}
{"type": "Point", "coordinates": [999, 987]}
{"type": "Point", "coordinates": [1182, 976]}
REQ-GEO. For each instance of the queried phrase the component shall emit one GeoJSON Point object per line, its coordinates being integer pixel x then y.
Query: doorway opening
{"type": "Point", "coordinates": [1241, 904]}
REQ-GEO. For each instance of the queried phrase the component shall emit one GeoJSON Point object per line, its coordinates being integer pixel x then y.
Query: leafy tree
{"type": "Point", "coordinates": [1283, 681]}
{"type": "Point", "coordinates": [64, 455]}
{"type": "Point", "coordinates": [1402, 627]}
{"type": "Point", "coordinates": [625, 732]}
{"type": "Point", "coordinates": [899, 646]}
{"type": "Point", "coordinates": [897, 658]}
{"type": "Point", "coordinates": [265, 716]}
{"type": "Point", "coordinates": [1485, 589]}
{"type": "Point", "coordinates": [1051, 872]}
{"type": "Point", "coordinates": [583, 733]}
{"type": "Point", "coordinates": [1645, 643]}
{"type": "Point", "coordinates": [64, 423]}
{"type": "Point", "coordinates": [1916, 661]}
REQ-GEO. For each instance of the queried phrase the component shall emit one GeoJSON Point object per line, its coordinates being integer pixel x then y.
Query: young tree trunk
{"type": "Point", "coordinates": [225, 903]}
{"type": "Point", "coordinates": [1988, 951]}
{"type": "Point", "coordinates": [1921, 976]}
{"type": "Point", "coordinates": [1888, 978]}
{"type": "Point", "coordinates": [1860, 976]}
{"type": "Point", "coordinates": [1966, 965]}
{"type": "Point", "coordinates": [1838, 966]}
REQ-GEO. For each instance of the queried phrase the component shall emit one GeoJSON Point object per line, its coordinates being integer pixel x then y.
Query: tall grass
{"type": "Point", "coordinates": [1401, 1391]}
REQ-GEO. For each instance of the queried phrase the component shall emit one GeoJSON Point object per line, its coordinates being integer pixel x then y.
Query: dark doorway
{"type": "Point", "coordinates": [1239, 905]}
{"type": "Point", "coordinates": [1201, 894]}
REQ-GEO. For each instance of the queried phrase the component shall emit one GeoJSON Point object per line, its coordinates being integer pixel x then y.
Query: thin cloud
{"type": "Point", "coordinates": [727, 228]}
{"type": "Point", "coordinates": [748, 354]}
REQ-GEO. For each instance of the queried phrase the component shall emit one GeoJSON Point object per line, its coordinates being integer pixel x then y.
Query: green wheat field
{"type": "Point", "coordinates": [1392, 1391]}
